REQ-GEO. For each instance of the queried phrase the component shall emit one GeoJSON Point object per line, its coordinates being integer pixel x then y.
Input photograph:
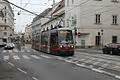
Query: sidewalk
{"type": "Point", "coordinates": [89, 50]}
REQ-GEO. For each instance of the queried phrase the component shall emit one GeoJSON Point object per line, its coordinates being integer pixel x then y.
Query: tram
{"type": "Point", "coordinates": [56, 41]}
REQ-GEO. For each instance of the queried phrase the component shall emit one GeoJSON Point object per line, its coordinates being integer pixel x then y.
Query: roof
{"type": "Point", "coordinates": [60, 6]}
{"type": "Point", "coordinates": [41, 15]}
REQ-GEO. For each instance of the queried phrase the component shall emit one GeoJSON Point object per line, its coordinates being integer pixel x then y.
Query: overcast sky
{"type": "Point", "coordinates": [25, 18]}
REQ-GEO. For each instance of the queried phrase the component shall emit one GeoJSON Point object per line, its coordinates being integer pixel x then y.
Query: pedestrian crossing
{"type": "Point", "coordinates": [16, 51]}
{"type": "Point", "coordinates": [21, 57]}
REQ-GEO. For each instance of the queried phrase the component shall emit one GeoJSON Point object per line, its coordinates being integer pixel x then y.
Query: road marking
{"type": "Point", "coordinates": [16, 57]}
{"type": "Point", "coordinates": [118, 77]}
{"type": "Point", "coordinates": [91, 66]}
{"type": "Point", "coordinates": [97, 70]}
{"type": "Point", "coordinates": [81, 65]}
{"type": "Point", "coordinates": [22, 70]}
{"type": "Point", "coordinates": [34, 56]}
{"type": "Point", "coordinates": [15, 50]}
{"type": "Point", "coordinates": [4, 51]}
{"type": "Point", "coordinates": [6, 57]}
{"type": "Point", "coordinates": [104, 65]}
{"type": "Point", "coordinates": [96, 63]}
{"type": "Point", "coordinates": [10, 51]}
{"type": "Point", "coordinates": [11, 64]}
{"type": "Point", "coordinates": [82, 59]}
{"type": "Point", "coordinates": [34, 78]}
{"type": "Point", "coordinates": [68, 61]}
{"type": "Point", "coordinates": [28, 50]}
{"type": "Point", "coordinates": [26, 57]}
{"type": "Point", "coordinates": [45, 56]}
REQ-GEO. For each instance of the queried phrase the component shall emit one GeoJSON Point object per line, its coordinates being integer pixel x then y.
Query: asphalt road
{"type": "Point", "coordinates": [28, 64]}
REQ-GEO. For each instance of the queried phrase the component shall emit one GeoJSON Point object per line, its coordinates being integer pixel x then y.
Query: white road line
{"type": "Point", "coordinates": [82, 59]}
{"type": "Point", "coordinates": [15, 50]}
{"type": "Point", "coordinates": [34, 78]}
{"type": "Point", "coordinates": [26, 57]}
{"type": "Point", "coordinates": [118, 77]}
{"type": "Point", "coordinates": [4, 51]}
{"type": "Point", "coordinates": [97, 70]}
{"type": "Point", "coordinates": [96, 63]}
{"type": "Point", "coordinates": [44, 56]}
{"type": "Point", "coordinates": [34, 56]}
{"type": "Point", "coordinates": [81, 65]}
{"type": "Point", "coordinates": [104, 65]}
{"type": "Point", "coordinates": [16, 57]}
{"type": "Point", "coordinates": [68, 61]}
{"type": "Point", "coordinates": [11, 64]}
{"type": "Point", "coordinates": [22, 70]}
{"type": "Point", "coordinates": [28, 50]}
{"type": "Point", "coordinates": [91, 66]}
{"type": "Point", "coordinates": [10, 51]}
{"type": "Point", "coordinates": [6, 57]}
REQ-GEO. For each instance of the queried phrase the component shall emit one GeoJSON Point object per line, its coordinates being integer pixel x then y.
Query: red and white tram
{"type": "Point", "coordinates": [56, 41]}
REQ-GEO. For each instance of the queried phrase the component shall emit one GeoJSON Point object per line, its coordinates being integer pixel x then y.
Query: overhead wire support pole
{"type": "Point", "coordinates": [21, 8]}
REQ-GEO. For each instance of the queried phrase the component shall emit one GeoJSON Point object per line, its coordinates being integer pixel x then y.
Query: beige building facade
{"type": "Point", "coordinates": [28, 34]}
{"type": "Point", "coordinates": [97, 21]}
{"type": "Point", "coordinates": [6, 22]}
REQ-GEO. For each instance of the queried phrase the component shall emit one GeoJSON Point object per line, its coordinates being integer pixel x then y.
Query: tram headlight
{"type": "Point", "coordinates": [61, 46]}
{"type": "Point", "coordinates": [72, 46]}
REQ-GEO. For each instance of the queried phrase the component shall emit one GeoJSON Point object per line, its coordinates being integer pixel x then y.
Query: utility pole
{"type": "Point", "coordinates": [53, 2]}
{"type": "Point", "coordinates": [20, 7]}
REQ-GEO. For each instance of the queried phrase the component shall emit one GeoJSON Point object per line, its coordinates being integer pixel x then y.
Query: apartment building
{"type": "Point", "coordinates": [28, 34]}
{"type": "Point", "coordinates": [95, 22]}
{"type": "Point", "coordinates": [6, 22]}
{"type": "Point", "coordinates": [48, 19]}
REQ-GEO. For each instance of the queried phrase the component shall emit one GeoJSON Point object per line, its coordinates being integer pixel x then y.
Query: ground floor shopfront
{"type": "Point", "coordinates": [96, 37]}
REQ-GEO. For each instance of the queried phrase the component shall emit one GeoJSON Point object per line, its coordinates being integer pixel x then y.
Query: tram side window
{"type": "Point", "coordinates": [44, 40]}
{"type": "Point", "coordinates": [53, 40]}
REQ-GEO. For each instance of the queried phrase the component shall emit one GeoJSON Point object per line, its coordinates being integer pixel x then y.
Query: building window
{"type": "Point", "coordinates": [5, 33]}
{"type": "Point", "coordinates": [72, 1]}
{"type": "Point", "coordinates": [114, 39]}
{"type": "Point", "coordinates": [73, 21]}
{"type": "Point", "coordinates": [67, 22]}
{"type": "Point", "coordinates": [97, 20]}
{"type": "Point", "coordinates": [67, 2]}
{"type": "Point", "coordinates": [114, 19]}
{"type": "Point", "coordinates": [115, 1]}
{"type": "Point", "coordinates": [98, 0]}
{"type": "Point", "coordinates": [5, 20]}
{"type": "Point", "coordinates": [5, 28]}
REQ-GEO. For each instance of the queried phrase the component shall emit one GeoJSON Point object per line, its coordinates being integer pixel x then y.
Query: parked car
{"type": "Point", "coordinates": [2, 44]}
{"type": "Point", "coordinates": [9, 46]}
{"type": "Point", "coordinates": [112, 48]}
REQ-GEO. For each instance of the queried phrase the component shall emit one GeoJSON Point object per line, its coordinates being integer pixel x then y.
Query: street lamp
{"type": "Point", "coordinates": [102, 37]}
{"type": "Point", "coordinates": [75, 33]}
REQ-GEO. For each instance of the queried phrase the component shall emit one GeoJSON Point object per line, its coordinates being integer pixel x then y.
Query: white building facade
{"type": "Point", "coordinates": [28, 34]}
{"type": "Point", "coordinates": [6, 22]}
{"type": "Point", "coordinates": [57, 19]}
{"type": "Point", "coordinates": [50, 18]}
{"type": "Point", "coordinates": [97, 21]}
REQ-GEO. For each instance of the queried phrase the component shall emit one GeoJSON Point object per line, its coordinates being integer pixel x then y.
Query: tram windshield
{"type": "Point", "coordinates": [65, 36]}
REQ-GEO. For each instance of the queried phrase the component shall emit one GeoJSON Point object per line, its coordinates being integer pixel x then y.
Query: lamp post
{"type": "Point", "coordinates": [75, 33]}
{"type": "Point", "coordinates": [102, 37]}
